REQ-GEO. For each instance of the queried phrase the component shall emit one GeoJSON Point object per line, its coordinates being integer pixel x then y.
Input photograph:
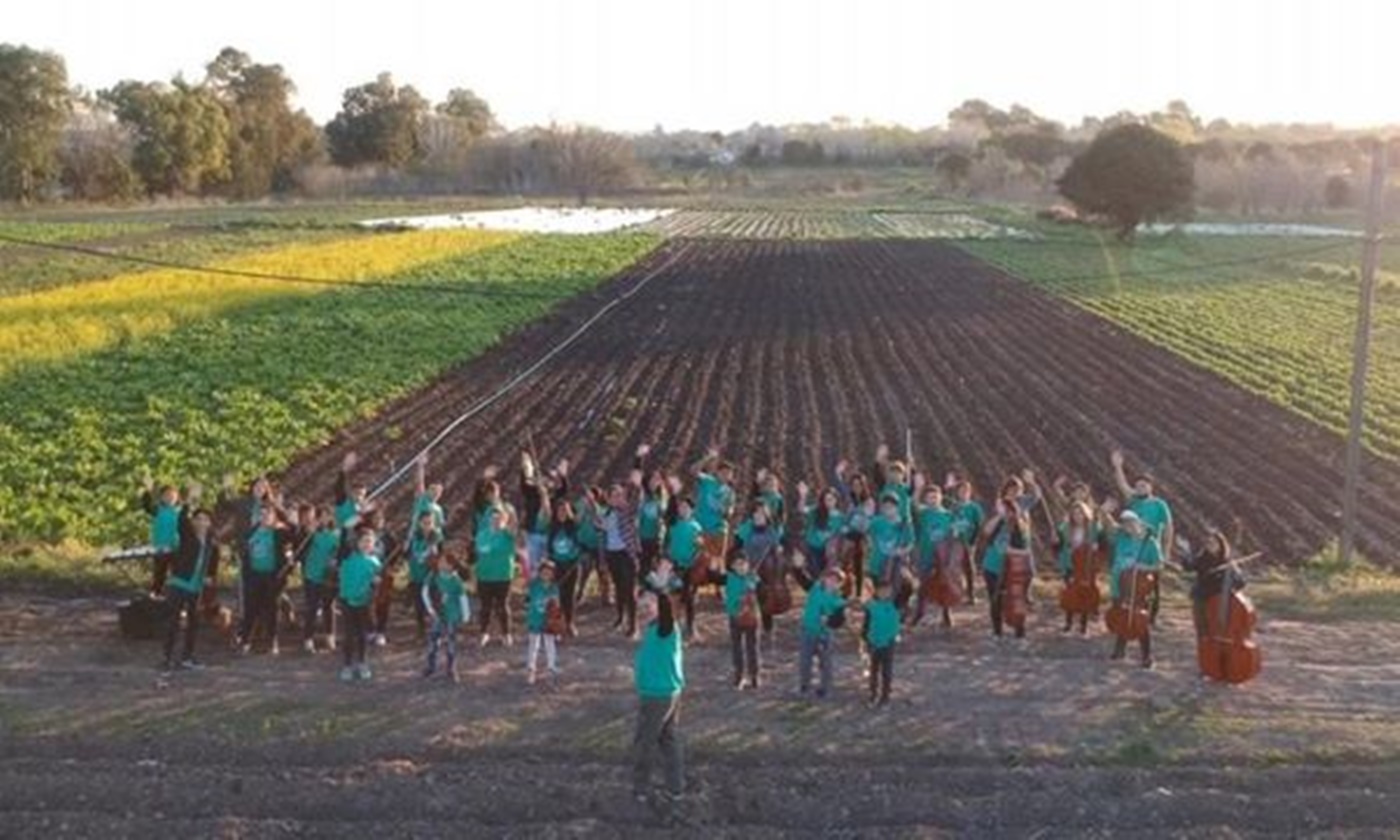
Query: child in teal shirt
{"type": "Point", "coordinates": [741, 607]}
{"type": "Point", "coordinates": [359, 574]}
{"type": "Point", "coordinates": [881, 633]}
{"type": "Point", "coordinates": [443, 597]}
{"type": "Point", "coordinates": [542, 599]}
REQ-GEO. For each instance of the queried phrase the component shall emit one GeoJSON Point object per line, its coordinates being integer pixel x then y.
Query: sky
{"type": "Point", "coordinates": [632, 65]}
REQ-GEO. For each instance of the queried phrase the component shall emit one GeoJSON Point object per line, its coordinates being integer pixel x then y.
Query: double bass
{"type": "Point", "coordinates": [1129, 618]}
{"type": "Point", "coordinates": [1226, 649]}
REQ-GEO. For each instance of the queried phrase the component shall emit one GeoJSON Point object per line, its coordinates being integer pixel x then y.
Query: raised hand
{"type": "Point", "coordinates": [643, 450]}
{"type": "Point", "coordinates": [349, 461]}
{"type": "Point", "coordinates": [1116, 457]}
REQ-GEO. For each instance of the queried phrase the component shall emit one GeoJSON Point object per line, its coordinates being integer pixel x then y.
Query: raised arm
{"type": "Point", "coordinates": [1119, 478]}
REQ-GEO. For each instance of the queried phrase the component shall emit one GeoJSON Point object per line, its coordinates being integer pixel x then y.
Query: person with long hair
{"type": "Point", "coordinates": [1008, 528]}
{"type": "Point", "coordinates": [823, 523]}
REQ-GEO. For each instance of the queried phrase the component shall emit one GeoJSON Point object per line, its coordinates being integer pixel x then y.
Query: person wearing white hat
{"type": "Point", "coordinates": [1133, 546]}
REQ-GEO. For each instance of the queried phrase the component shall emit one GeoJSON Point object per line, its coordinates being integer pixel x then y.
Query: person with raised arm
{"type": "Point", "coordinates": [189, 574]}
{"type": "Point", "coordinates": [1140, 497]}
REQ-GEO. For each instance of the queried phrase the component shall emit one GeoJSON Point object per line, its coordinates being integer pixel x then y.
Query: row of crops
{"type": "Point", "coordinates": [1275, 316]}
{"type": "Point", "coordinates": [193, 376]}
{"type": "Point", "coordinates": [828, 224]}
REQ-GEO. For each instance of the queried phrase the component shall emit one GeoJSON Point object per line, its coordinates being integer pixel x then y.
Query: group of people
{"type": "Point", "coordinates": [886, 542]}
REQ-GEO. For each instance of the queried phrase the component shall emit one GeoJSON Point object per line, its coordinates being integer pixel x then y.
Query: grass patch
{"type": "Point", "coordinates": [1323, 589]}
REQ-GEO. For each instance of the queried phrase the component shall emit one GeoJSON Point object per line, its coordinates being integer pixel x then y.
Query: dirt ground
{"type": "Point", "coordinates": [1040, 738]}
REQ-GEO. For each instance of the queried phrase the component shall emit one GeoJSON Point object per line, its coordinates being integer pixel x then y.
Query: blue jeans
{"type": "Point", "coordinates": [815, 647]}
{"type": "Point", "coordinates": [443, 635]}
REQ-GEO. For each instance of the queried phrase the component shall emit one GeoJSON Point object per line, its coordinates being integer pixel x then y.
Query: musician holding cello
{"type": "Point", "coordinates": [1141, 498]}
{"type": "Point", "coordinates": [1224, 616]}
{"type": "Point", "coordinates": [1137, 561]}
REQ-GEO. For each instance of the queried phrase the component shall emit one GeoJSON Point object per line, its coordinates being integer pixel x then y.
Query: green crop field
{"type": "Point", "coordinates": [1274, 315]}
{"type": "Point", "coordinates": [240, 389]}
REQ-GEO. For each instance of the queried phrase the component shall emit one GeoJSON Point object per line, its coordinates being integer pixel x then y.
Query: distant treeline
{"type": "Point", "coordinates": [235, 134]}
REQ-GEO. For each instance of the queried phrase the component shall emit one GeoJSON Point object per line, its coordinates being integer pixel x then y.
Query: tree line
{"type": "Point", "coordinates": [234, 133]}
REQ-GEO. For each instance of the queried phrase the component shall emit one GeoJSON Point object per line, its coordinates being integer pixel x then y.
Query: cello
{"type": "Point", "coordinates": [1016, 585]}
{"type": "Point", "coordinates": [1129, 618]}
{"type": "Point", "coordinates": [1081, 594]}
{"type": "Point", "coordinates": [943, 586]}
{"type": "Point", "coordinates": [1226, 649]}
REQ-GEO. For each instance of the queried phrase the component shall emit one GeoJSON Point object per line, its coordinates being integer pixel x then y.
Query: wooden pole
{"type": "Point", "coordinates": [1370, 255]}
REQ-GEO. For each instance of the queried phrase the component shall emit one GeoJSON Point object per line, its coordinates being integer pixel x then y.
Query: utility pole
{"type": "Point", "coordinates": [1370, 255]}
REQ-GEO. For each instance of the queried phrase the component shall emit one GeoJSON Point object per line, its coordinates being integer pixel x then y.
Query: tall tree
{"type": "Point", "coordinates": [379, 122]}
{"type": "Point", "coordinates": [473, 112]}
{"type": "Point", "coordinates": [587, 161]}
{"type": "Point", "coordinates": [181, 134]}
{"type": "Point", "coordinates": [34, 103]}
{"type": "Point", "coordinates": [268, 141]}
{"type": "Point", "coordinates": [95, 155]}
{"type": "Point", "coordinates": [1131, 174]}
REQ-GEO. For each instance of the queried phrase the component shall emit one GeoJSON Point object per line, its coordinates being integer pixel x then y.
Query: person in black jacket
{"type": "Point", "coordinates": [189, 573]}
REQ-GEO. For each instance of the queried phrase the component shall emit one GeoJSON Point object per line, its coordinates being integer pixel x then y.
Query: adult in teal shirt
{"type": "Point", "coordinates": [1133, 547]}
{"type": "Point", "coordinates": [495, 569]}
{"type": "Point", "coordinates": [659, 676]}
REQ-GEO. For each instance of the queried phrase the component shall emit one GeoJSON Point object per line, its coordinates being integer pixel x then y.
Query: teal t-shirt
{"type": "Point", "coordinates": [882, 626]}
{"type": "Point", "coordinates": [451, 590]}
{"type": "Point", "coordinates": [935, 524]}
{"type": "Point", "coordinates": [587, 528]}
{"type": "Point", "coordinates": [421, 550]}
{"type": "Point", "coordinates": [165, 528]}
{"type": "Point", "coordinates": [818, 537]}
{"type": "Point", "coordinates": [736, 586]}
{"type": "Point", "coordinates": [563, 548]}
{"type": "Point", "coordinates": [495, 555]}
{"type": "Point", "coordinates": [967, 521]}
{"type": "Point", "coordinates": [537, 607]}
{"type": "Point", "coordinates": [1155, 512]}
{"type": "Point", "coordinates": [714, 501]}
{"type": "Point", "coordinates": [886, 540]}
{"type": "Point", "coordinates": [649, 518]}
{"type": "Point", "coordinates": [683, 542]}
{"type": "Point", "coordinates": [1129, 551]}
{"type": "Point", "coordinates": [319, 555]}
{"type": "Point", "coordinates": [262, 551]}
{"type": "Point", "coordinates": [820, 605]}
{"type": "Point", "coordinates": [659, 666]}
{"type": "Point", "coordinates": [357, 574]}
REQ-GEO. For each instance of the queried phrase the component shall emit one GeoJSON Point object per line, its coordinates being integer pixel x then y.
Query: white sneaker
{"type": "Point", "coordinates": [510, 640]}
{"type": "Point", "coordinates": [485, 639]}
{"type": "Point", "coordinates": [347, 674]}
{"type": "Point", "coordinates": [274, 650]}
{"type": "Point", "coordinates": [379, 640]}
{"type": "Point", "coordinates": [309, 646]}
{"type": "Point", "coordinates": [330, 643]}
{"type": "Point", "coordinates": [365, 673]}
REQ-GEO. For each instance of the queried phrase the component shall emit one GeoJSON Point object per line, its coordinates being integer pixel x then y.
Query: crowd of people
{"type": "Point", "coordinates": [885, 544]}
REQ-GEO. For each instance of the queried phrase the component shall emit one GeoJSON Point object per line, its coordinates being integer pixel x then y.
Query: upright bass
{"type": "Point", "coordinates": [1226, 648]}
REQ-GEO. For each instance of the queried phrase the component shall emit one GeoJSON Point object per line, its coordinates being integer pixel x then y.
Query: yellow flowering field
{"type": "Point", "coordinates": [64, 322]}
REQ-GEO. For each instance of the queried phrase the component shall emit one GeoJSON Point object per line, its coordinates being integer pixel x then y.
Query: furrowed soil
{"type": "Point", "coordinates": [787, 354]}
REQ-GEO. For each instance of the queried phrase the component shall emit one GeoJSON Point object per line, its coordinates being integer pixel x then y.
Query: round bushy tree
{"type": "Point", "coordinates": [1129, 175]}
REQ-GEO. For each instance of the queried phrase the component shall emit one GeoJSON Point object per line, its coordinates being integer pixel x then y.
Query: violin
{"type": "Point", "coordinates": [1226, 649]}
{"type": "Point", "coordinates": [1081, 594]}
{"type": "Point", "coordinates": [1129, 618]}
{"type": "Point", "coordinates": [943, 586]}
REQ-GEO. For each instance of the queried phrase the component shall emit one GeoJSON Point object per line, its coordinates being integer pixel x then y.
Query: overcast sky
{"type": "Point", "coordinates": [723, 64]}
